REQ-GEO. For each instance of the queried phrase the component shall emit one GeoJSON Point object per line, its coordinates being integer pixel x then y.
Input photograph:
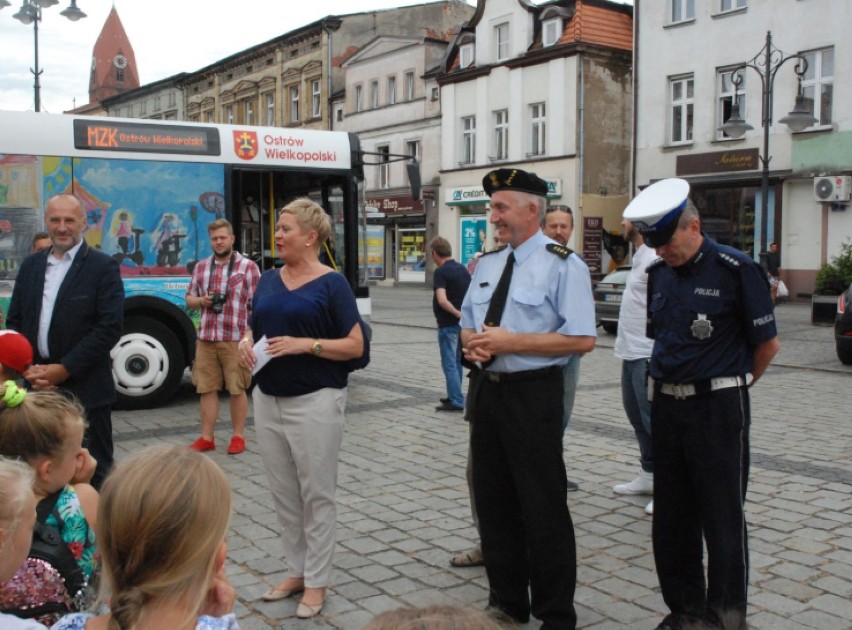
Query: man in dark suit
{"type": "Point", "coordinates": [69, 303]}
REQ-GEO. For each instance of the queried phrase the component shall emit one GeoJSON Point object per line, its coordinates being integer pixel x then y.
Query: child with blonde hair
{"type": "Point", "coordinates": [163, 517]}
{"type": "Point", "coordinates": [44, 429]}
{"type": "Point", "coordinates": [17, 517]}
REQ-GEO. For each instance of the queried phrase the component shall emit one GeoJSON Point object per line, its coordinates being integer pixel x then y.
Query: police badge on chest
{"type": "Point", "coordinates": [702, 327]}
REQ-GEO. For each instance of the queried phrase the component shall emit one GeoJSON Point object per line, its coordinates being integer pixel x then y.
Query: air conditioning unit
{"type": "Point", "coordinates": [834, 188]}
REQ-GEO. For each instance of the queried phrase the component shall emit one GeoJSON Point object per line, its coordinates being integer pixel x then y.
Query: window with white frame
{"type": "Point", "coordinates": [374, 94]}
{"type": "Point", "coordinates": [466, 55]}
{"type": "Point", "coordinates": [384, 165]}
{"type": "Point", "coordinates": [681, 104]}
{"type": "Point", "coordinates": [316, 102]}
{"type": "Point", "coordinates": [359, 96]}
{"type": "Point", "coordinates": [229, 114]}
{"type": "Point", "coordinates": [731, 5]}
{"type": "Point", "coordinates": [172, 99]}
{"type": "Point", "coordinates": [294, 103]}
{"type": "Point", "coordinates": [210, 118]}
{"type": "Point", "coordinates": [550, 31]}
{"type": "Point", "coordinates": [468, 140]}
{"type": "Point", "coordinates": [409, 86]}
{"type": "Point", "coordinates": [143, 107]}
{"type": "Point", "coordinates": [725, 94]}
{"type": "Point", "coordinates": [682, 11]}
{"type": "Point", "coordinates": [248, 108]}
{"type": "Point", "coordinates": [501, 135]}
{"type": "Point", "coordinates": [538, 129]}
{"type": "Point", "coordinates": [156, 103]}
{"type": "Point", "coordinates": [412, 148]}
{"type": "Point", "coordinates": [818, 84]}
{"type": "Point", "coordinates": [391, 89]}
{"type": "Point", "coordinates": [501, 40]}
{"type": "Point", "coordinates": [270, 109]}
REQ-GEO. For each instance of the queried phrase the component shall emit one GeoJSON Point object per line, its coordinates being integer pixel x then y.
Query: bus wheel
{"type": "Point", "coordinates": [147, 364]}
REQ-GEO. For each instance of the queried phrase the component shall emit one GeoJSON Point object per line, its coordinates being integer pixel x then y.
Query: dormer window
{"type": "Point", "coordinates": [550, 31]}
{"type": "Point", "coordinates": [501, 41]}
{"type": "Point", "coordinates": [466, 57]}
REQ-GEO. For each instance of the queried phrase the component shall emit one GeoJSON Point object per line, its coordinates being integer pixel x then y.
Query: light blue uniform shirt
{"type": "Point", "coordinates": [547, 294]}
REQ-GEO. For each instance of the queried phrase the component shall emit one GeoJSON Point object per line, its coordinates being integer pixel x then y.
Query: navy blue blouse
{"type": "Point", "coordinates": [323, 308]}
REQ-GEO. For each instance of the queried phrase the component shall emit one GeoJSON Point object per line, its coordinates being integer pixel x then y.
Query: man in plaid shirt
{"type": "Point", "coordinates": [222, 288]}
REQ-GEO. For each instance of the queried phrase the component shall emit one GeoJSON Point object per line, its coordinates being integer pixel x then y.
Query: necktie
{"type": "Point", "coordinates": [498, 300]}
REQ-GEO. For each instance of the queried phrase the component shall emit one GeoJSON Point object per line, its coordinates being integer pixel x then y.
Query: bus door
{"type": "Point", "coordinates": [257, 195]}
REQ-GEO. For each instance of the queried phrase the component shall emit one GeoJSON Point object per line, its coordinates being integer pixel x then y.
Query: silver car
{"type": "Point", "coordinates": [608, 294]}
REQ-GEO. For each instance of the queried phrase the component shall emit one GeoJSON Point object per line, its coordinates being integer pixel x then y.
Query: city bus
{"type": "Point", "coordinates": [150, 188]}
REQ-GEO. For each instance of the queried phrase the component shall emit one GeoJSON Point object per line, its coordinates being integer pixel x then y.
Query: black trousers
{"type": "Point", "coordinates": [98, 439]}
{"type": "Point", "coordinates": [521, 498]}
{"type": "Point", "coordinates": [701, 462]}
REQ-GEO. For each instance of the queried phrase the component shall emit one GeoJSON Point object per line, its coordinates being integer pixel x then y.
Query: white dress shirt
{"type": "Point", "coordinates": [54, 274]}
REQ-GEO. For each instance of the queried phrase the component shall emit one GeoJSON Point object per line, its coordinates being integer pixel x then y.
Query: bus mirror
{"type": "Point", "coordinates": [413, 169]}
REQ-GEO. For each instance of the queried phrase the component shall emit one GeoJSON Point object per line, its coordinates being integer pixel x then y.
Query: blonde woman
{"type": "Point", "coordinates": [308, 316]}
{"type": "Point", "coordinates": [17, 518]}
{"type": "Point", "coordinates": [162, 521]}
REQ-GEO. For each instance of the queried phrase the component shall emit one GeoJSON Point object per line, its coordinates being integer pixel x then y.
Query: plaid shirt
{"type": "Point", "coordinates": [230, 324]}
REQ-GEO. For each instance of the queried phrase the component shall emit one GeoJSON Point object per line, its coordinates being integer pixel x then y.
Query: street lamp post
{"type": "Point", "coordinates": [766, 63]}
{"type": "Point", "coordinates": [30, 13]}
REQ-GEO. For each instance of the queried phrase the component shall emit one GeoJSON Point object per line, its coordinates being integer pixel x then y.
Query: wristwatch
{"type": "Point", "coordinates": [316, 349]}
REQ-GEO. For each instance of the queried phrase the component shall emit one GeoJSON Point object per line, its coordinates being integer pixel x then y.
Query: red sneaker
{"type": "Point", "coordinates": [237, 445]}
{"type": "Point", "coordinates": [202, 444]}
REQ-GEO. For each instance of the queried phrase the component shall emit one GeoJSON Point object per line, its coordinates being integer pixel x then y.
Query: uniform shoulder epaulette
{"type": "Point", "coordinates": [560, 250]}
{"type": "Point", "coordinates": [728, 260]}
{"type": "Point", "coordinates": [659, 262]}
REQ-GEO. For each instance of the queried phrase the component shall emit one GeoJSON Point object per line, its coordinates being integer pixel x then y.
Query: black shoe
{"type": "Point", "coordinates": [448, 406]}
{"type": "Point", "coordinates": [446, 401]}
{"type": "Point", "coordinates": [516, 616]}
{"type": "Point", "coordinates": [572, 486]}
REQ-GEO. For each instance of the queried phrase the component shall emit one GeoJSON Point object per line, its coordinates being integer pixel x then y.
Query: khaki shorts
{"type": "Point", "coordinates": [217, 363]}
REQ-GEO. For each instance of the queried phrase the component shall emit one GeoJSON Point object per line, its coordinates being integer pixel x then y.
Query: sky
{"type": "Point", "coordinates": [168, 37]}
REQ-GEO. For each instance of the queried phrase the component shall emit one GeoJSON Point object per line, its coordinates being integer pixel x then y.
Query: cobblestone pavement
{"type": "Point", "coordinates": [403, 501]}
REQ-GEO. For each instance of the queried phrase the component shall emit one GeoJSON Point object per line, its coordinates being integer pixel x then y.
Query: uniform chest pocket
{"type": "Point", "coordinates": [481, 295]}
{"type": "Point", "coordinates": [529, 298]}
{"type": "Point", "coordinates": [236, 280]}
{"type": "Point", "coordinates": [657, 304]}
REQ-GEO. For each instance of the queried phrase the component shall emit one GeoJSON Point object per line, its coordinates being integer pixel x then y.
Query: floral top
{"type": "Point", "coordinates": [78, 536]}
{"type": "Point", "coordinates": [77, 621]}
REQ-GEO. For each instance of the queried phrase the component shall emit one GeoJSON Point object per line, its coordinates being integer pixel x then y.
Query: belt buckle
{"type": "Point", "coordinates": [679, 390]}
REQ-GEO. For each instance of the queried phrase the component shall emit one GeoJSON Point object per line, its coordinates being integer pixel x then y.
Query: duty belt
{"type": "Point", "coordinates": [685, 390]}
{"type": "Point", "coordinates": [517, 377]}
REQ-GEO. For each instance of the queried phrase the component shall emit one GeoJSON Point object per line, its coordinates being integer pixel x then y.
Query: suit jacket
{"type": "Point", "coordinates": [87, 321]}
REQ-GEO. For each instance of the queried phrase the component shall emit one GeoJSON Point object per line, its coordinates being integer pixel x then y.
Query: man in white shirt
{"type": "Point", "coordinates": [634, 348]}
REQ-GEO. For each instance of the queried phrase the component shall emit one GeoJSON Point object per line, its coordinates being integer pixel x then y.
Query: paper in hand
{"type": "Point", "coordinates": [260, 354]}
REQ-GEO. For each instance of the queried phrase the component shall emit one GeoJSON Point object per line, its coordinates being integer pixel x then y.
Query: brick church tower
{"type": "Point", "coordinates": [114, 67]}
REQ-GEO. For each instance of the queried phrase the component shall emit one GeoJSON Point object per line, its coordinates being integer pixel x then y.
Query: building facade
{"type": "Point", "coordinates": [682, 99]}
{"type": "Point", "coordinates": [544, 88]}
{"type": "Point", "coordinates": [392, 101]}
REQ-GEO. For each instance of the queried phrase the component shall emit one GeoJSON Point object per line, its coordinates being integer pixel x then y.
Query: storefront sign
{"type": "Point", "coordinates": [718, 162]}
{"type": "Point", "coordinates": [394, 205]}
{"type": "Point", "coordinates": [475, 194]}
{"type": "Point", "coordinates": [593, 244]}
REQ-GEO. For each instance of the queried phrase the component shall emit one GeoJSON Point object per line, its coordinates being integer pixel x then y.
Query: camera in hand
{"type": "Point", "coordinates": [218, 300]}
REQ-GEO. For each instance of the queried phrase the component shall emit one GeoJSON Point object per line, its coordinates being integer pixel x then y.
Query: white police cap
{"type": "Point", "coordinates": [656, 209]}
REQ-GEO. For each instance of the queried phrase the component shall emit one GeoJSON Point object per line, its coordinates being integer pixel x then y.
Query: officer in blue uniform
{"type": "Point", "coordinates": [712, 319]}
{"type": "Point", "coordinates": [529, 306]}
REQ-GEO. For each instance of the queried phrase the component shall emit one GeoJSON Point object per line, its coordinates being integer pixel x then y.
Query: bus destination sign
{"type": "Point", "coordinates": [101, 135]}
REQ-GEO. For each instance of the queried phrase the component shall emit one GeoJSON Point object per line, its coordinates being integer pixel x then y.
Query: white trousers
{"type": "Point", "coordinates": [299, 439]}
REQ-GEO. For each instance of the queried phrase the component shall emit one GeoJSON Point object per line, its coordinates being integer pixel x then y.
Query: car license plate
{"type": "Point", "coordinates": [612, 297]}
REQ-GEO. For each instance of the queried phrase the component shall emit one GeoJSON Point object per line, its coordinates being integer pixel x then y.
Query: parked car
{"type": "Point", "coordinates": [843, 327]}
{"type": "Point", "coordinates": [608, 294]}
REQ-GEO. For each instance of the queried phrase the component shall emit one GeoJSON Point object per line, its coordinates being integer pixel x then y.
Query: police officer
{"type": "Point", "coordinates": [528, 307]}
{"type": "Point", "coordinates": [713, 322]}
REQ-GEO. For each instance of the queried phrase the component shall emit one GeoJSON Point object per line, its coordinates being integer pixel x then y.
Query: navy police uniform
{"type": "Point", "coordinates": [516, 404]}
{"type": "Point", "coordinates": [706, 317]}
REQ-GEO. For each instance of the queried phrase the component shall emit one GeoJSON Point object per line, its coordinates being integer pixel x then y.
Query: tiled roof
{"type": "Point", "coordinates": [595, 25]}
